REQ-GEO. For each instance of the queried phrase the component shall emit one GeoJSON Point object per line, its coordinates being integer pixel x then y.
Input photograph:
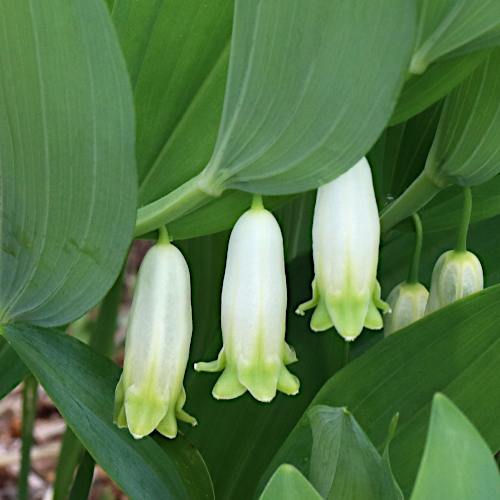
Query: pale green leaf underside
{"type": "Point", "coordinates": [311, 85]}
{"type": "Point", "coordinates": [445, 26]}
{"type": "Point", "coordinates": [288, 483]}
{"type": "Point", "coordinates": [466, 150]}
{"type": "Point", "coordinates": [457, 462]}
{"type": "Point", "coordinates": [454, 350]}
{"type": "Point", "coordinates": [67, 174]}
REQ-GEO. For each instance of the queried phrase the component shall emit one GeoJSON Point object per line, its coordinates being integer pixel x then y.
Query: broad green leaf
{"type": "Point", "coordinates": [287, 483]}
{"type": "Point", "coordinates": [466, 149]}
{"type": "Point", "coordinates": [177, 53]}
{"type": "Point", "coordinates": [255, 429]}
{"type": "Point", "coordinates": [454, 350]}
{"type": "Point", "coordinates": [344, 463]}
{"type": "Point", "coordinates": [82, 383]}
{"type": "Point", "coordinates": [12, 370]}
{"type": "Point", "coordinates": [178, 71]}
{"type": "Point", "coordinates": [457, 462]}
{"type": "Point", "coordinates": [447, 25]}
{"type": "Point", "coordinates": [68, 187]}
{"type": "Point", "coordinates": [311, 85]}
{"type": "Point", "coordinates": [421, 91]}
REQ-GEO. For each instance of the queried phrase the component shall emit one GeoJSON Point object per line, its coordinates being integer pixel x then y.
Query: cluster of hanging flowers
{"type": "Point", "coordinates": [255, 355]}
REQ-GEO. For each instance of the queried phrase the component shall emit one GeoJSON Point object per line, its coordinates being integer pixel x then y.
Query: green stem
{"type": "Point", "coordinates": [101, 340]}
{"type": "Point", "coordinates": [413, 273]}
{"type": "Point", "coordinates": [163, 237]}
{"type": "Point", "coordinates": [30, 398]}
{"type": "Point", "coordinates": [413, 199]}
{"type": "Point", "coordinates": [183, 200]}
{"type": "Point", "coordinates": [257, 201]}
{"type": "Point", "coordinates": [461, 245]}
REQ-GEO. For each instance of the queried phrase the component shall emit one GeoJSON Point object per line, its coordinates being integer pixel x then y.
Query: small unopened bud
{"type": "Point", "coordinates": [407, 302]}
{"type": "Point", "coordinates": [457, 274]}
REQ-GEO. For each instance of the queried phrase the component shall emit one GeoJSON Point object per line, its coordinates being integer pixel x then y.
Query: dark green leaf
{"type": "Point", "coordinates": [81, 383]}
{"type": "Point", "coordinates": [454, 350]}
{"type": "Point", "coordinates": [457, 462]}
{"type": "Point", "coordinates": [311, 86]}
{"type": "Point", "coordinates": [420, 91]}
{"type": "Point", "coordinates": [12, 370]}
{"type": "Point", "coordinates": [68, 187]}
{"type": "Point", "coordinates": [287, 483]}
{"type": "Point", "coordinates": [190, 465]}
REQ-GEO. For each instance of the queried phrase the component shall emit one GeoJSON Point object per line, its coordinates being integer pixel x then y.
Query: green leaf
{"type": "Point", "coordinates": [177, 53]}
{"type": "Point", "coordinates": [287, 483]}
{"type": "Point", "coordinates": [466, 150]}
{"type": "Point", "coordinates": [68, 183]}
{"type": "Point", "coordinates": [457, 462]}
{"type": "Point", "coordinates": [344, 463]}
{"type": "Point", "coordinates": [447, 25]}
{"type": "Point", "coordinates": [454, 350]}
{"type": "Point", "coordinates": [311, 85]}
{"type": "Point", "coordinates": [85, 399]}
{"type": "Point", "coordinates": [12, 370]}
{"type": "Point", "coordinates": [178, 72]}
{"type": "Point", "coordinates": [190, 465]}
{"type": "Point", "coordinates": [421, 91]}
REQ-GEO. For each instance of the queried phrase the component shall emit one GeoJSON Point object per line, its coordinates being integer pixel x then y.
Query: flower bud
{"type": "Point", "coordinates": [150, 394]}
{"type": "Point", "coordinates": [346, 237]}
{"type": "Point", "coordinates": [407, 302]}
{"type": "Point", "coordinates": [457, 274]}
{"type": "Point", "coordinates": [253, 315]}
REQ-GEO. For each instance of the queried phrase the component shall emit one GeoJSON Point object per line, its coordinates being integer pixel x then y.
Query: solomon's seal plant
{"type": "Point", "coordinates": [408, 299]}
{"type": "Point", "coordinates": [150, 394]}
{"type": "Point", "coordinates": [253, 312]}
{"type": "Point", "coordinates": [346, 237]}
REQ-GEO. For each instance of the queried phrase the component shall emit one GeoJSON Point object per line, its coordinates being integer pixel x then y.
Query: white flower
{"type": "Point", "coordinates": [254, 300]}
{"type": "Point", "coordinates": [407, 302]}
{"type": "Point", "coordinates": [150, 394]}
{"type": "Point", "coordinates": [456, 275]}
{"type": "Point", "coordinates": [346, 237]}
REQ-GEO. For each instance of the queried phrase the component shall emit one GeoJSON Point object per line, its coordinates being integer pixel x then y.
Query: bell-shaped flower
{"type": "Point", "coordinates": [346, 237]}
{"type": "Point", "coordinates": [150, 394]}
{"type": "Point", "coordinates": [253, 315]}
{"type": "Point", "coordinates": [407, 302]}
{"type": "Point", "coordinates": [456, 275]}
